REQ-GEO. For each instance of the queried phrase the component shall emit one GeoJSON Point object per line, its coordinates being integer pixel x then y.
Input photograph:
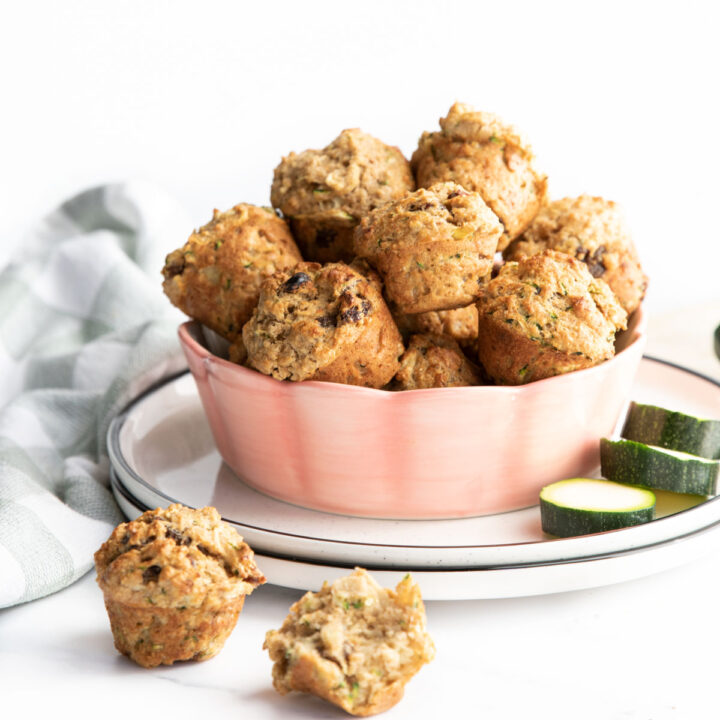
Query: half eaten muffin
{"type": "Point", "coordinates": [353, 643]}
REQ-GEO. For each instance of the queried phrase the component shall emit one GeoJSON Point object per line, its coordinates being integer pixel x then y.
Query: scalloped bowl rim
{"type": "Point", "coordinates": [637, 325]}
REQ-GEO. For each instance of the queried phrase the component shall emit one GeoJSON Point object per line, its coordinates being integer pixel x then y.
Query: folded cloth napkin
{"type": "Point", "coordinates": [84, 327]}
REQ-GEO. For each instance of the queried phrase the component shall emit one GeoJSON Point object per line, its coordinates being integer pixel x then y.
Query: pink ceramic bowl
{"type": "Point", "coordinates": [440, 453]}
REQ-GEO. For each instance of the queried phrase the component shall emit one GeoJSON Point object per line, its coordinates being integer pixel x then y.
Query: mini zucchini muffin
{"type": "Point", "coordinates": [460, 324]}
{"type": "Point", "coordinates": [353, 643]}
{"type": "Point", "coordinates": [323, 322]}
{"type": "Point", "coordinates": [543, 316]}
{"type": "Point", "coordinates": [486, 155]}
{"type": "Point", "coordinates": [215, 277]}
{"type": "Point", "coordinates": [433, 248]}
{"type": "Point", "coordinates": [324, 193]}
{"type": "Point", "coordinates": [174, 582]}
{"type": "Point", "coordinates": [593, 230]}
{"type": "Point", "coordinates": [434, 361]}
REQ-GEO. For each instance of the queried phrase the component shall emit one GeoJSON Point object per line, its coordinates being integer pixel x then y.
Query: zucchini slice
{"type": "Point", "coordinates": [580, 506]}
{"type": "Point", "coordinates": [632, 462]}
{"type": "Point", "coordinates": [673, 430]}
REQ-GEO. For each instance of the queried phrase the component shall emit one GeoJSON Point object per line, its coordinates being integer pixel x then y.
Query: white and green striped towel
{"type": "Point", "coordinates": [84, 327]}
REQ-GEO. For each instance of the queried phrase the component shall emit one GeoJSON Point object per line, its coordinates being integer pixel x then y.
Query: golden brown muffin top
{"type": "Point", "coordinates": [215, 277]}
{"type": "Point", "coordinates": [176, 558]}
{"type": "Point", "coordinates": [552, 298]}
{"type": "Point", "coordinates": [585, 227]}
{"type": "Point", "coordinates": [434, 361]}
{"type": "Point", "coordinates": [593, 230]}
{"type": "Point", "coordinates": [487, 155]}
{"type": "Point", "coordinates": [362, 640]}
{"type": "Point", "coordinates": [306, 316]}
{"type": "Point", "coordinates": [352, 175]}
{"type": "Point", "coordinates": [441, 213]}
{"type": "Point", "coordinates": [465, 123]}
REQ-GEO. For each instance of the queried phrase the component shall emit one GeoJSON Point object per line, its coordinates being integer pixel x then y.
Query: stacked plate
{"type": "Point", "coordinates": [161, 451]}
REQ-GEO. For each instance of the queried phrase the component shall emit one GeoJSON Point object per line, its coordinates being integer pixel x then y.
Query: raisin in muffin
{"type": "Point", "coordinates": [593, 230]}
{"type": "Point", "coordinates": [323, 323]}
{"type": "Point", "coordinates": [486, 155]}
{"type": "Point", "coordinates": [174, 582]}
{"type": "Point", "coordinates": [543, 316]}
{"type": "Point", "coordinates": [353, 643]}
{"type": "Point", "coordinates": [324, 193]}
{"type": "Point", "coordinates": [433, 248]}
{"type": "Point", "coordinates": [434, 361]}
{"type": "Point", "coordinates": [460, 324]}
{"type": "Point", "coordinates": [215, 277]}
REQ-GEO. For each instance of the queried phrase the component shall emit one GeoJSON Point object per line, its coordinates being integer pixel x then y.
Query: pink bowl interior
{"type": "Point", "coordinates": [440, 453]}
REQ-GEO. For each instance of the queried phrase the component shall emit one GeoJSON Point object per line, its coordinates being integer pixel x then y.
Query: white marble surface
{"type": "Point", "coordinates": [635, 651]}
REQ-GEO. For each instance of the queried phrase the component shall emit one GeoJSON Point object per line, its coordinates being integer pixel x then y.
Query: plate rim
{"type": "Point", "coordinates": [466, 583]}
{"type": "Point", "coordinates": [139, 504]}
{"type": "Point", "coordinates": [117, 459]}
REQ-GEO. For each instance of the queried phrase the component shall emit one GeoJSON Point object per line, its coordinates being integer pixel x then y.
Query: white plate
{"type": "Point", "coordinates": [163, 452]}
{"type": "Point", "coordinates": [489, 583]}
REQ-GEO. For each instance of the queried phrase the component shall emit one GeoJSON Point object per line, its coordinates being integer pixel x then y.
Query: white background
{"type": "Point", "coordinates": [618, 99]}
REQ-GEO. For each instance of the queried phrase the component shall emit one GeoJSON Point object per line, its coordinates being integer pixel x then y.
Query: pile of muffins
{"type": "Point", "coordinates": [452, 269]}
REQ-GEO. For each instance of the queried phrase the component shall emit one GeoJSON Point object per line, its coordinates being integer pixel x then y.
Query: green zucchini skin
{"type": "Point", "coordinates": [635, 463]}
{"type": "Point", "coordinates": [563, 515]}
{"type": "Point", "coordinates": [673, 430]}
{"type": "Point", "coordinates": [569, 522]}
